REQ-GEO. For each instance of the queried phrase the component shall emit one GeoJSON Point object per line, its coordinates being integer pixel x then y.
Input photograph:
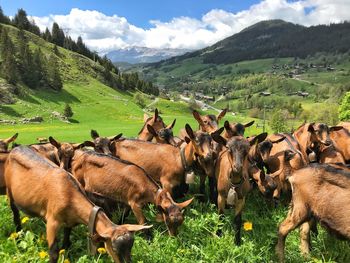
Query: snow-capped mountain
{"type": "Point", "coordinates": [143, 54]}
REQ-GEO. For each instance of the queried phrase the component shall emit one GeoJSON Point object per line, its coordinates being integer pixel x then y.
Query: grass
{"type": "Point", "coordinates": [196, 242]}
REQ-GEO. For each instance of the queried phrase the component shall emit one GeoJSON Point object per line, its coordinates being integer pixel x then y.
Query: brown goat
{"type": "Point", "coordinates": [165, 163]}
{"type": "Point", "coordinates": [164, 135]}
{"type": "Point", "coordinates": [311, 134]}
{"type": "Point", "coordinates": [207, 123]}
{"type": "Point", "coordinates": [232, 175]}
{"type": "Point", "coordinates": [103, 144]}
{"type": "Point", "coordinates": [258, 154]}
{"type": "Point", "coordinates": [312, 188]}
{"type": "Point", "coordinates": [127, 183]}
{"type": "Point", "coordinates": [341, 141]}
{"type": "Point", "coordinates": [40, 188]}
{"type": "Point", "coordinates": [275, 162]}
{"type": "Point", "coordinates": [61, 153]}
{"type": "Point", "coordinates": [235, 129]}
{"type": "Point", "coordinates": [4, 144]}
{"type": "Point", "coordinates": [155, 121]}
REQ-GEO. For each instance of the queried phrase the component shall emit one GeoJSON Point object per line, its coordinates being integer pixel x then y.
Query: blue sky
{"type": "Point", "coordinates": [181, 24]}
{"type": "Point", "coordinates": [138, 12]}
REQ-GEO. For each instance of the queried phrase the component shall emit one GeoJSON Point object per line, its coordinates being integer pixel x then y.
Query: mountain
{"type": "Point", "coordinates": [135, 55]}
{"type": "Point", "coordinates": [273, 38]}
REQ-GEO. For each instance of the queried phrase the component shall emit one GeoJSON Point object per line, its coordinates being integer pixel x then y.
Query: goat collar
{"type": "Point", "coordinates": [92, 223]}
{"type": "Point", "coordinates": [183, 160]}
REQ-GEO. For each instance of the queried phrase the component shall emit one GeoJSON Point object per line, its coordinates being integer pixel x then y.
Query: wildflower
{"type": "Point", "coordinates": [25, 219]}
{"type": "Point", "coordinates": [66, 260]}
{"type": "Point", "coordinates": [43, 254]}
{"type": "Point", "coordinates": [101, 250]}
{"type": "Point", "coordinates": [248, 226]}
{"type": "Point", "coordinates": [14, 235]}
{"type": "Point", "coordinates": [62, 251]}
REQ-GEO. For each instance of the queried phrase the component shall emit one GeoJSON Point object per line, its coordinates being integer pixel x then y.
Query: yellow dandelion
{"type": "Point", "coordinates": [101, 250]}
{"type": "Point", "coordinates": [14, 235]}
{"type": "Point", "coordinates": [66, 260]}
{"type": "Point", "coordinates": [248, 226]}
{"type": "Point", "coordinates": [43, 254]}
{"type": "Point", "coordinates": [25, 219]}
{"type": "Point", "coordinates": [62, 251]}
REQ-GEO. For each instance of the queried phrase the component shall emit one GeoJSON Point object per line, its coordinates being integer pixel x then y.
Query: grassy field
{"type": "Point", "coordinates": [110, 112]}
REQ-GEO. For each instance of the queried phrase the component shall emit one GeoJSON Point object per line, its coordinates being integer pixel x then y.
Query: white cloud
{"type": "Point", "coordinates": [105, 33]}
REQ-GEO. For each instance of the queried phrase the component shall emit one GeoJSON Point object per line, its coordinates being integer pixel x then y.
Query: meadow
{"type": "Point", "coordinates": [110, 112]}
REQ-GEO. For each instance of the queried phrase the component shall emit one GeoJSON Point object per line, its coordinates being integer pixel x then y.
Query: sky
{"type": "Point", "coordinates": [185, 24]}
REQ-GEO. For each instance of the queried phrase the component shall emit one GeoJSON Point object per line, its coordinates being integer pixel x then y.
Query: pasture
{"type": "Point", "coordinates": [111, 112]}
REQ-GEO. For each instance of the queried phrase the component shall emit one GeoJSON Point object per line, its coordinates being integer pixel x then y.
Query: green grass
{"type": "Point", "coordinates": [196, 241]}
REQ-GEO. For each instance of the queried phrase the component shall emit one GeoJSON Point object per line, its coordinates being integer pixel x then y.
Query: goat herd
{"type": "Point", "coordinates": [66, 184]}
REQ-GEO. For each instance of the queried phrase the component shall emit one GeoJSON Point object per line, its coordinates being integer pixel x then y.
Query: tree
{"type": "Point", "coordinates": [57, 35]}
{"type": "Point", "coordinates": [139, 99]}
{"type": "Point", "coordinates": [7, 52]}
{"type": "Point", "coordinates": [47, 35]}
{"type": "Point", "coordinates": [344, 108]}
{"type": "Point", "coordinates": [3, 19]}
{"type": "Point", "coordinates": [53, 73]}
{"type": "Point", "coordinates": [68, 112]}
{"type": "Point", "coordinates": [278, 121]}
{"type": "Point", "coordinates": [21, 20]}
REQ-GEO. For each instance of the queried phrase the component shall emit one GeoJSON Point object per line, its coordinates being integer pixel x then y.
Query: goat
{"type": "Point", "coordinates": [232, 175]}
{"type": "Point", "coordinates": [40, 188]}
{"type": "Point", "coordinates": [4, 143]}
{"type": "Point", "coordinates": [312, 187]}
{"type": "Point", "coordinates": [155, 121]}
{"type": "Point", "coordinates": [127, 183]}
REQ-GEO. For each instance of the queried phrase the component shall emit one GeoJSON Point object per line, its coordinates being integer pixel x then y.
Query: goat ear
{"type": "Point", "coordinates": [54, 142]}
{"type": "Point", "coordinates": [81, 145]}
{"type": "Point", "coordinates": [189, 131]}
{"type": "Point", "coordinates": [335, 128]}
{"type": "Point", "coordinates": [135, 228]}
{"type": "Point", "coordinates": [278, 140]}
{"type": "Point", "coordinates": [198, 117]}
{"type": "Point", "coordinates": [183, 205]}
{"type": "Point", "coordinates": [94, 134]}
{"type": "Point", "coordinates": [221, 114]}
{"type": "Point", "coordinates": [288, 155]}
{"type": "Point", "coordinates": [218, 138]}
{"type": "Point", "coordinates": [219, 131]}
{"type": "Point", "coordinates": [151, 130]}
{"type": "Point", "coordinates": [145, 117]}
{"type": "Point", "coordinates": [259, 138]}
{"type": "Point", "coordinates": [187, 140]}
{"type": "Point", "coordinates": [155, 117]}
{"type": "Point", "coordinates": [248, 124]}
{"type": "Point", "coordinates": [310, 128]}
{"type": "Point", "coordinates": [171, 125]}
{"type": "Point", "coordinates": [11, 139]}
{"type": "Point", "coordinates": [227, 126]}
{"type": "Point", "coordinates": [115, 138]}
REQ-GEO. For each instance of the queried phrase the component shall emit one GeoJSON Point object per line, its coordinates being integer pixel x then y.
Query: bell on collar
{"type": "Point", "coordinates": [190, 177]}
{"type": "Point", "coordinates": [231, 196]}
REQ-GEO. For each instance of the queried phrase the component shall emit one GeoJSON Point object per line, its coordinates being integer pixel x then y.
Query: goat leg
{"type": "Point", "coordinates": [238, 223]}
{"type": "Point", "coordinates": [66, 239]}
{"type": "Point", "coordinates": [213, 190]}
{"type": "Point", "coordinates": [296, 216]}
{"type": "Point", "coordinates": [202, 178]}
{"type": "Point", "coordinates": [16, 217]}
{"type": "Point", "coordinates": [125, 214]}
{"type": "Point", "coordinates": [305, 238]}
{"type": "Point", "coordinates": [52, 228]}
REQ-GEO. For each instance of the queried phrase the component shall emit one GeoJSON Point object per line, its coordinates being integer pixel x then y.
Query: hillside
{"type": "Point", "coordinates": [274, 38]}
